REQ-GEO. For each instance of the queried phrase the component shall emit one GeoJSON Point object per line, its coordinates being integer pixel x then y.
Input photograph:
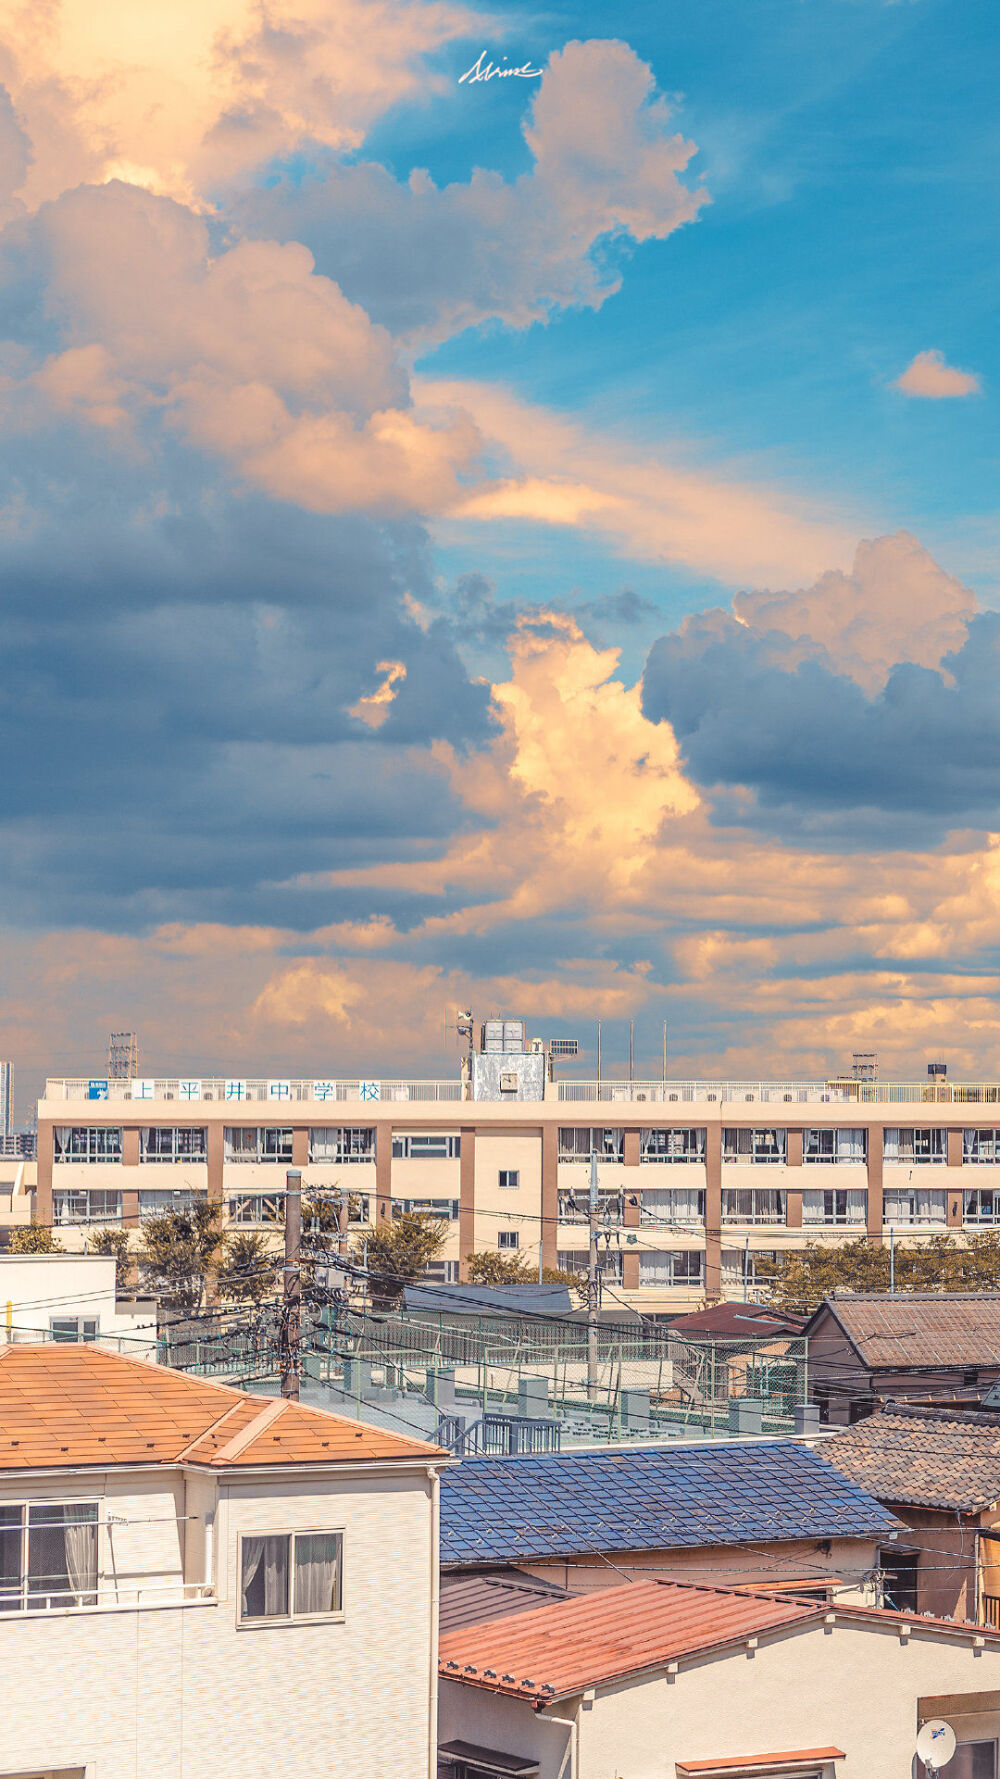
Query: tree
{"type": "Point", "coordinates": [801, 1280]}
{"type": "Point", "coordinates": [178, 1251]}
{"type": "Point", "coordinates": [490, 1268]}
{"type": "Point", "coordinates": [249, 1269]}
{"type": "Point", "coordinates": [114, 1241]}
{"type": "Point", "coordinates": [397, 1252]}
{"type": "Point", "coordinates": [34, 1238]}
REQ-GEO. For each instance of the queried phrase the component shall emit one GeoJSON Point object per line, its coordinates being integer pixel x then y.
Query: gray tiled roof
{"type": "Point", "coordinates": [922, 1457]}
{"type": "Point", "coordinates": [920, 1327]}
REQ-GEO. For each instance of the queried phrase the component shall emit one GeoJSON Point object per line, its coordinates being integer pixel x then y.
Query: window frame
{"type": "Point", "coordinates": [77, 1339]}
{"type": "Point", "coordinates": [402, 1146]}
{"type": "Point", "coordinates": [62, 1221]}
{"type": "Point", "coordinates": [81, 1603]}
{"type": "Point", "coordinates": [337, 1616]}
{"type": "Point", "coordinates": [834, 1158]}
{"type": "Point", "coordinates": [937, 1152]}
{"type": "Point", "coordinates": [95, 1152]}
{"type": "Point", "coordinates": [350, 1151]}
{"type": "Point", "coordinates": [508, 1179]}
{"type": "Point", "coordinates": [199, 1159]}
{"type": "Point", "coordinates": [745, 1145]}
{"type": "Point", "coordinates": [607, 1142]}
{"type": "Point", "coordinates": [508, 1241]}
{"type": "Point", "coordinates": [692, 1149]}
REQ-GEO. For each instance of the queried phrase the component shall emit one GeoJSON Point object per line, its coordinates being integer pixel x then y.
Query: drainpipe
{"type": "Point", "coordinates": [573, 1725]}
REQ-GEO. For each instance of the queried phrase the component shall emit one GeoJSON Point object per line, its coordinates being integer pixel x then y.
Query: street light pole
{"type": "Point", "coordinates": [593, 1282]}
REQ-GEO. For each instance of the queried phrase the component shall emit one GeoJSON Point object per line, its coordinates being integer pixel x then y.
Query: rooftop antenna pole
{"type": "Point", "coordinates": [598, 1059]}
{"type": "Point", "coordinates": [892, 1261]}
{"type": "Point", "coordinates": [291, 1320]}
{"type": "Point", "coordinates": [593, 1281]}
{"type": "Point", "coordinates": [664, 1056]}
{"type": "Point", "coordinates": [631, 1051]}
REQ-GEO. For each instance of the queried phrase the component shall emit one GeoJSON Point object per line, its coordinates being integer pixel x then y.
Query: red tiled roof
{"type": "Point", "coordinates": [72, 1405]}
{"type": "Point", "coordinates": [640, 1627]}
{"type": "Point", "coordinates": [920, 1327]}
{"type": "Point", "coordinates": [575, 1644]}
{"type": "Point", "coordinates": [747, 1763]}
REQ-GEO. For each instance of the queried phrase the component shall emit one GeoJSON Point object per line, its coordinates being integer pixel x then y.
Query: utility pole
{"type": "Point", "coordinates": [631, 1051]}
{"type": "Point", "coordinates": [291, 1319]}
{"type": "Point", "coordinates": [593, 1282]}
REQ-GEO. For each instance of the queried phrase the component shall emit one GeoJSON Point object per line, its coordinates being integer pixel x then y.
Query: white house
{"type": "Point", "coordinates": [71, 1297]}
{"type": "Point", "coordinates": [668, 1680]}
{"type": "Point", "coordinates": [198, 1584]}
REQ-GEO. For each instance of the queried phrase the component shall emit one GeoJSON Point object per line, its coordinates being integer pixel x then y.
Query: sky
{"type": "Point", "coordinates": [525, 542]}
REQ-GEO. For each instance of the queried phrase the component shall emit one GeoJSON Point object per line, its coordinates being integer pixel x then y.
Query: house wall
{"type": "Point", "coordinates": [184, 1692]}
{"type": "Point", "coordinates": [35, 1288]}
{"type": "Point", "coordinates": [847, 1559]}
{"type": "Point", "coordinates": [855, 1689]}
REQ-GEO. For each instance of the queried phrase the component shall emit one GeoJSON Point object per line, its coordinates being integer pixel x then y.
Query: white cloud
{"type": "Point", "coordinates": [929, 375]}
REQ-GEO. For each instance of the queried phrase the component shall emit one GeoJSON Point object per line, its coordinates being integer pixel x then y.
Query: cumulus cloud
{"type": "Point", "coordinates": [126, 308]}
{"type": "Point", "coordinates": [184, 98]}
{"type": "Point", "coordinates": [929, 375]}
{"type": "Point", "coordinates": [761, 700]}
{"type": "Point", "coordinates": [606, 163]}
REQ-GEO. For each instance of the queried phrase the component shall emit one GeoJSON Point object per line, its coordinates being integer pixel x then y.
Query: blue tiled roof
{"type": "Point", "coordinates": [562, 1504]}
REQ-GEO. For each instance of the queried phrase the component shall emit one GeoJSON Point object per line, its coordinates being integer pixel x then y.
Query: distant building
{"type": "Point", "coordinates": [713, 1683]}
{"type": "Point", "coordinates": [70, 1298]}
{"type": "Point", "coordinates": [866, 1349]}
{"type": "Point", "coordinates": [702, 1185]}
{"type": "Point", "coordinates": [205, 1584]}
{"type": "Point", "coordinates": [6, 1098]}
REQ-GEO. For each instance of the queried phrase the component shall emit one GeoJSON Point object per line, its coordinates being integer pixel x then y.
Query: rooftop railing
{"type": "Point", "coordinates": [194, 1089]}
{"type": "Point", "coordinates": [840, 1092]}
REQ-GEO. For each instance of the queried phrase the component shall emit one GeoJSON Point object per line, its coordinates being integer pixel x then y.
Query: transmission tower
{"type": "Point", "coordinates": [123, 1056]}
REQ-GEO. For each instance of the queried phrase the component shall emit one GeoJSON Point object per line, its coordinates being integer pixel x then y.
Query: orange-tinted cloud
{"type": "Point", "coordinates": [929, 375]}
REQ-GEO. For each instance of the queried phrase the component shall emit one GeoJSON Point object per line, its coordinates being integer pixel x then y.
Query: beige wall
{"type": "Point", "coordinates": [181, 1692]}
{"type": "Point", "coordinates": [839, 1686]}
{"type": "Point", "coordinates": [846, 1559]}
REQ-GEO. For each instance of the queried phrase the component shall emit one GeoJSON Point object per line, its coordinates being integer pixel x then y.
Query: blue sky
{"type": "Point", "coordinates": [433, 542]}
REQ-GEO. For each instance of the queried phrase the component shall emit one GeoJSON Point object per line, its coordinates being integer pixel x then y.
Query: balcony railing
{"type": "Point", "coordinates": [107, 1594]}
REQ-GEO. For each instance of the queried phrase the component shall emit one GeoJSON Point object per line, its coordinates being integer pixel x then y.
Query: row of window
{"type": "Point", "coordinates": [679, 1266]}
{"type": "Point", "coordinates": [342, 1145]}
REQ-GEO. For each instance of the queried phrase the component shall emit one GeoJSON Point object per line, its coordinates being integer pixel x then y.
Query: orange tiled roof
{"type": "Point", "coordinates": [748, 1763]}
{"type": "Point", "coordinates": [71, 1405]}
{"type": "Point", "coordinates": [575, 1644]}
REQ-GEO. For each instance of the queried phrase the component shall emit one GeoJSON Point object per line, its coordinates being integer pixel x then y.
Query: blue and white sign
{"type": "Point", "coordinates": [279, 1090]}
{"type": "Point", "coordinates": [324, 1090]}
{"type": "Point", "coordinates": [97, 1090]}
{"type": "Point", "coordinates": [189, 1090]}
{"type": "Point", "coordinates": [237, 1090]}
{"type": "Point", "coordinates": [143, 1089]}
{"type": "Point", "coordinates": [370, 1090]}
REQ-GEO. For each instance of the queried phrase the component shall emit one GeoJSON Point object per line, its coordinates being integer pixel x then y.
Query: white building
{"type": "Point", "coordinates": [71, 1297]}
{"type": "Point", "coordinates": [200, 1584]}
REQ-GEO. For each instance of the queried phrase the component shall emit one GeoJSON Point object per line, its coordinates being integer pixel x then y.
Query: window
{"type": "Point", "coordinates": [574, 1207]}
{"type": "Point", "coordinates": [73, 1328]}
{"type": "Point", "coordinates": [834, 1145]}
{"type": "Point", "coordinates": [509, 1179]}
{"type": "Point", "coordinates": [672, 1145]}
{"type": "Point", "coordinates": [581, 1144]}
{"type": "Point", "coordinates": [425, 1147]}
{"type": "Point", "coordinates": [257, 1207]}
{"type": "Point", "coordinates": [342, 1144]}
{"type": "Point", "coordinates": [48, 1555]}
{"type": "Point", "coordinates": [157, 1202]}
{"type": "Point", "coordinates": [86, 1206]}
{"type": "Point", "coordinates": [982, 1206]}
{"type": "Point", "coordinates": [686, 1266]}
{"type": "Point", "coordinates": [290, 1575]}
{"type": "Point", "coordinates": [748, 1268]}
{"type": "Point", "coordinates": [971, 1760]}
{"type": "Point", "coordinates": [426, 1207]}
{"type": "Point", "coordinates": [915, 1145]}
{"type": "Point", "coordinates": [441, 1272]}
{"type": "Point", "coordinates": [835, 1205]}
{"type": "Point", "coordinates": [100, 1142]}
{"type": "Point", "coordinates": [754, 1145]}
{"type": "Point", "coordinates": [508, 1238]}
{"type": "Point", "coordinates": [913, 1204]}
{"type": "Point", "coordinates": [753, 1204]}
{"type": "Point", "coordinates": [980, 1145]}
{"type": "Point", "coordinates": [674, 1204]}
{"type": "Point", "coordinates": [268, 1143]}
{"type": "Point", "coordinates": [175, 1143]}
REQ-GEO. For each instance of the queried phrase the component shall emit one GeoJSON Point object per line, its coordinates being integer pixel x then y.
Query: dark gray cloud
{"type": "Point", "coordinates": [918, 757]}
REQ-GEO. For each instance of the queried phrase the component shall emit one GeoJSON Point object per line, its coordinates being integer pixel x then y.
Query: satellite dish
{"type": "Point", "coordinates": [936, 1744]}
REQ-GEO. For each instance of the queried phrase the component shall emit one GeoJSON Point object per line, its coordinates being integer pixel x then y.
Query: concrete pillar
{"type": "Point", "coordinates": [130, 1188]}
{"type": "Point", "coordinates": [533, 1397]}
{"type": "Point", "coordinates": [635, 1411]}
{"type": "Point", "coordinates": [467, 1201]}
{"type": "Point", "coordinates": [794, 1151]}
{"type": "Point", "coordinates": [746, 1414]}
{"type": "Point", "coordinates": [875, 1181]}
{"type": "Point", "coordinates": [43, 1189]}
{"type": "Point", "coordinates": [130, 1146]}
{"type": "Point", "coordinates": [383, 1173]}
{"type": "Point", "coordinates": [955, 1143]}
{"type": "Point", "coordinates": [631, 1214]}
{"type": "Point", "coordinates": [954, 1203]}
{"type": "Point", "coordinates": [713, 1212]}
{"type": "Point", "coordinates": [300, 1145]}
{"type": "Point", "coordinates": [550, 1193]}
{"type": "Point", "coordinates": [216, 1160]}
{"type": "Point", "coordinates": [806, 1417]}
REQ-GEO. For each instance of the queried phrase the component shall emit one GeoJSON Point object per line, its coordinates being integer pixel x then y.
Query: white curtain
{"type": "Point", "coordinates": [81, 1560]}
{"type": "Point", "coordinates": [317, 1572]}
{"type": "Point", "coordinates": [270, 1601]}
